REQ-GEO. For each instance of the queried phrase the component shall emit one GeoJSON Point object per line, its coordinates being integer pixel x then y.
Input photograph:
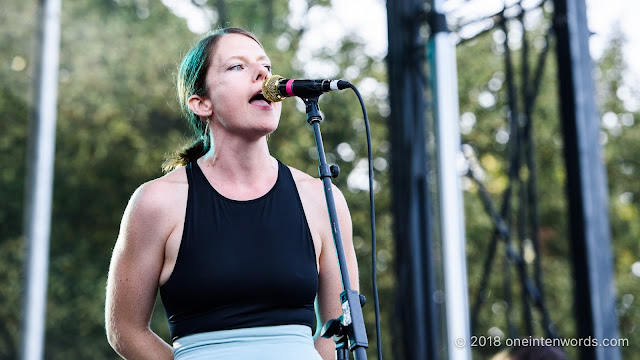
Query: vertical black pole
{"type": "Point", "coordinates": [417, 331]}
{"type": "Point", "coordinates": [586, 183]}
{"type": "Point", "coordinates": [352, 319]}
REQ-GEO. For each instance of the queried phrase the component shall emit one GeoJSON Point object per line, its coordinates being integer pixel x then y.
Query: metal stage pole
{"type": "Point", "coordinates": [587, 189]}
{"type": "Point", "coordinates": [444, 83]}
{"type": "Point", "coordinates": [418, 326]}
{"type": "Point", "coordinates": [417, 216]}
{"type": "Point", "coordinates": [39, 189]}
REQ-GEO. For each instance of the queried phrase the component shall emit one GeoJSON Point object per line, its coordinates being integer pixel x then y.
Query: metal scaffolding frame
{"type": "Point", "coordinates": [421, 226]}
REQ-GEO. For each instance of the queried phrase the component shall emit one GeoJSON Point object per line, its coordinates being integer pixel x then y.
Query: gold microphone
{"type": "Point", "coordinates": [270, 88]}
{"type": "Point", "coordinates": [275, 88]}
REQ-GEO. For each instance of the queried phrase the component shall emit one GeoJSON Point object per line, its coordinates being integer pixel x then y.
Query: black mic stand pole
{"type": "Point", "coordinates": [348, 331]}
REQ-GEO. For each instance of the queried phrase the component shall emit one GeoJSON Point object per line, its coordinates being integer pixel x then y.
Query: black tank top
{"type": "Point", "coordinates": [241, 263]}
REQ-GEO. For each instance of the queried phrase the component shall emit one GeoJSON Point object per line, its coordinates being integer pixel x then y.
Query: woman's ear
{"type": "Point", "coordinates": [201, 106]}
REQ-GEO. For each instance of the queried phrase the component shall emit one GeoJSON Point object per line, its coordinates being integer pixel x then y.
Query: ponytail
{"type": "Point", "coordinates": [185, 155]}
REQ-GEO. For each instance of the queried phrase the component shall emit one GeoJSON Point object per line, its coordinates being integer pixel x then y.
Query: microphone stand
{"type": "Point", "coordinates": [348, 331]}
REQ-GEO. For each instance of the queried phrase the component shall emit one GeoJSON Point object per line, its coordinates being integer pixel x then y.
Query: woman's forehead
{"type": "Point", "coordinates": [232, 46]}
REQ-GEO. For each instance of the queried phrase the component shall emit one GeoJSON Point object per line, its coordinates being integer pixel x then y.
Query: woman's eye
{"type": "Point", "coordinates": [268, 67]}
{"type": "Point", "coordinates": [236, 67]}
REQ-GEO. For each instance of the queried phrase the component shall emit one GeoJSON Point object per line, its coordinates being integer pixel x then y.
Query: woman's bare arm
{"type": "Point", "coordinates": [137, 261]}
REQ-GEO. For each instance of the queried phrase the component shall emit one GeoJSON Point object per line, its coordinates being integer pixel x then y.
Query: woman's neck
{"type": "Point", "coordinates": [240, 161]}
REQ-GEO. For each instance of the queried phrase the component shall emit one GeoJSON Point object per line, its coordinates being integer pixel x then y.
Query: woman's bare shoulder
{"type": "Point", "coordinates": [162, 193]}
{"type": "Point", "coordinates": [306, 184]}
{"type": "Point", "coordinates": [300, 176]}
{"type": "Point", "coordinates": [313, 185]}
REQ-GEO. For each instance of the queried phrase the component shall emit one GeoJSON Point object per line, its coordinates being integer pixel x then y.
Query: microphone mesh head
{"type": "Point", "coordinates": [270, 88]}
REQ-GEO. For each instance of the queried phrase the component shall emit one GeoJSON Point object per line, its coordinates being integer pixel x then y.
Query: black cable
{"type": "Point", "coordinates": [523, 194]}
{"type": "Point", "coordinates": [530, 94]}
{"type": "Point", "coordinates": [513, 158]}
{"type": "Point", "coordinates": [373, 222]}
{"type": "Point", "coordinates": [501, 230]}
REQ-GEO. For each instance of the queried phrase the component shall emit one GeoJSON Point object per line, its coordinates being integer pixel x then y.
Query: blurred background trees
{"type": "Point", "coordinates": [118, 119]}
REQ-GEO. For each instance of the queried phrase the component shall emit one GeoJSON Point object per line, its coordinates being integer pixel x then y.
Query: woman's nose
{"type": "Point", "coordinates": [262, 72]}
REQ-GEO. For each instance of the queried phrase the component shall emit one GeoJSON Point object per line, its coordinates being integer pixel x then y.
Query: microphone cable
{"type": "Point", "coordinates": [373, 222]}
{"type": "Point", "coordinates": [271, 91]}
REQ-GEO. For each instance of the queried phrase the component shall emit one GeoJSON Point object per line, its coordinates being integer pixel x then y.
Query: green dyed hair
{"type": "Point", "coordinates": [191, 80]}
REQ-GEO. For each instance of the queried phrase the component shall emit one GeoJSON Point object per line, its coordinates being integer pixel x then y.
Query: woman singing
{"type": "Point", "coordinates": [238, 244]}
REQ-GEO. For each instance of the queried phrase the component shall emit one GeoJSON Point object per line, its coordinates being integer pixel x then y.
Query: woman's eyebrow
{"type": "Point", "coordinates": [245, 58]}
